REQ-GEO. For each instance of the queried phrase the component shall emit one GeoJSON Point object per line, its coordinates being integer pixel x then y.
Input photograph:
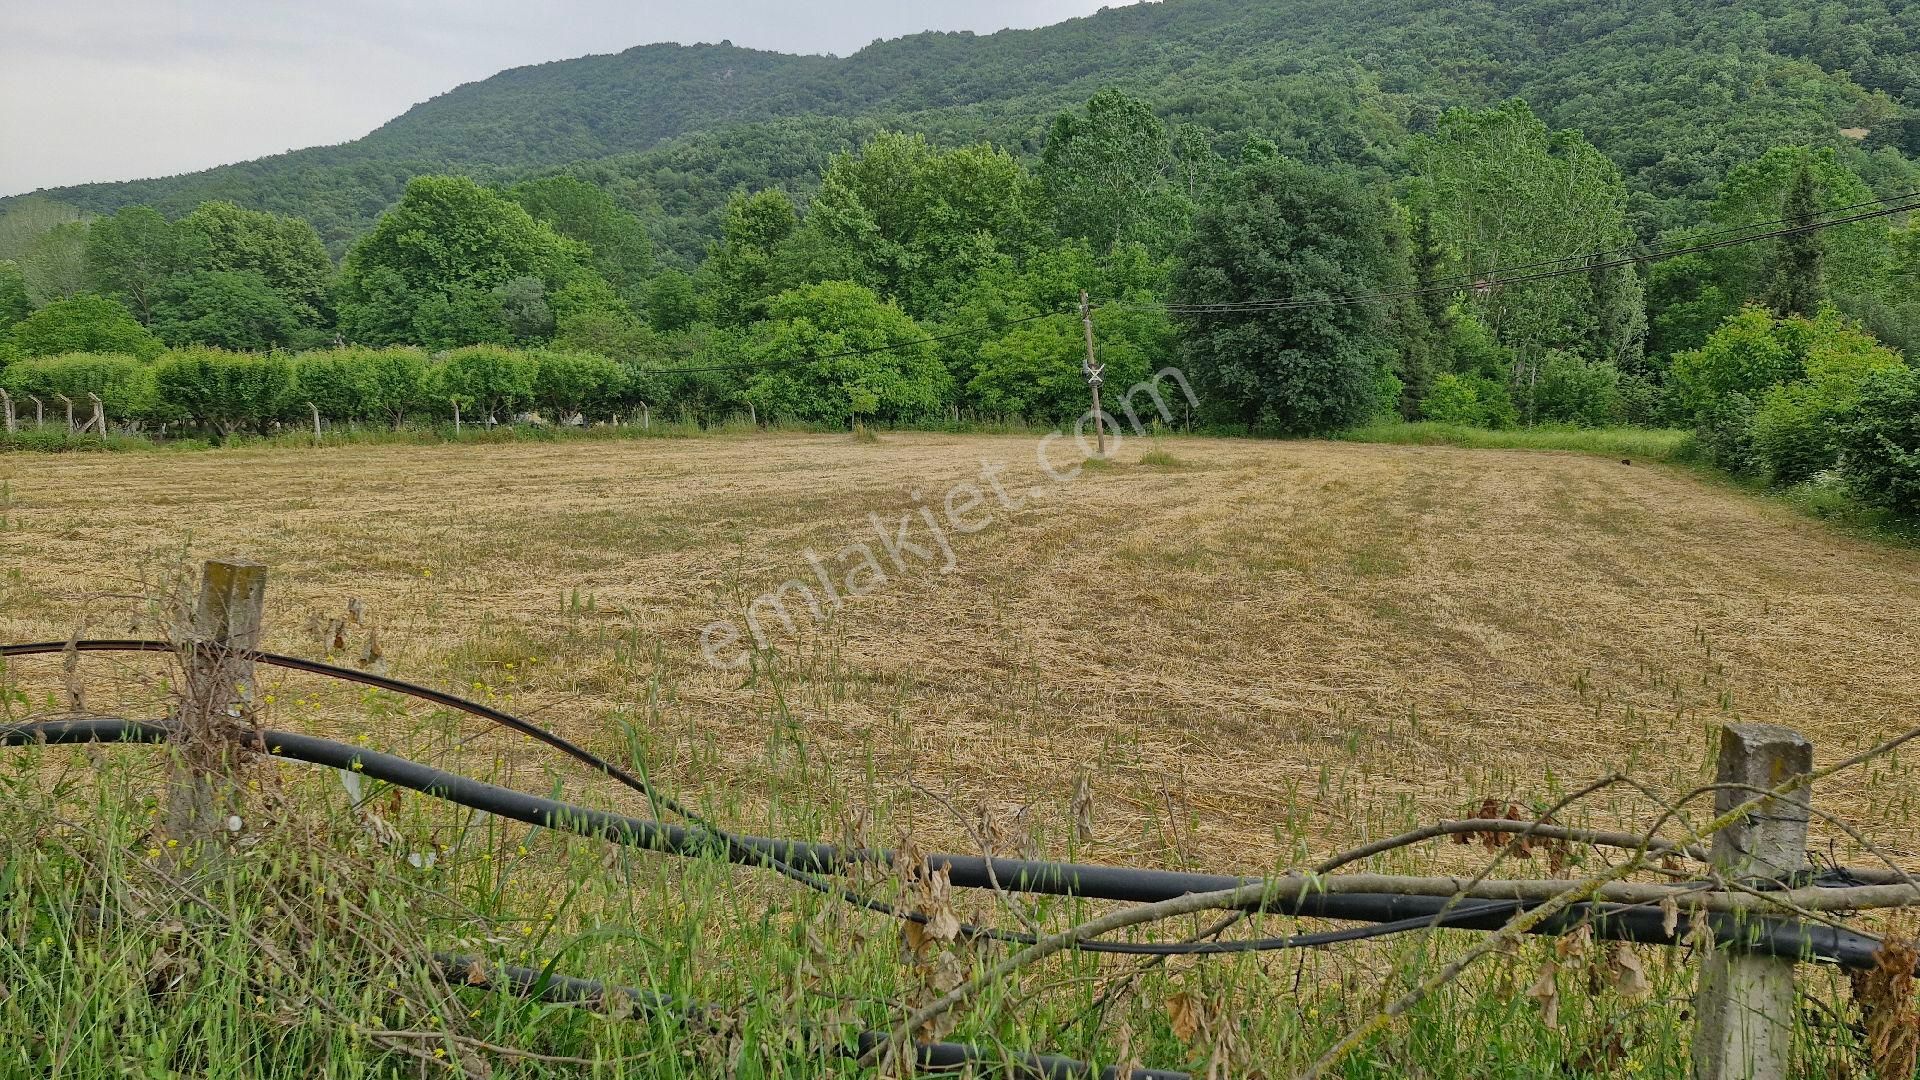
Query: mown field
{"type": "Point", "coordinates": [1251, 654]}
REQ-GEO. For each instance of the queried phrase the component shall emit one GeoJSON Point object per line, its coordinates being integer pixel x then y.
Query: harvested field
{"type": "Point", "coordinates": [1254, 650]}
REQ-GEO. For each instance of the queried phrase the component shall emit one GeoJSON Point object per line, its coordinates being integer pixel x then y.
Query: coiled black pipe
{"type": "Point", "coordinates": [1393, 912]}
{"type": "Point", "coordinates": [476, 972]}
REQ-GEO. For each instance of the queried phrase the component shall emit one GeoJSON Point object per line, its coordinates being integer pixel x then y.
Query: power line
{"type": "Point", "coordinates": [1492, 279]}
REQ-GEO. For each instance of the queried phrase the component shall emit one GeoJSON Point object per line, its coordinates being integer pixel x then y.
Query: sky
{"type": "Point", "coordinates": [122, 89]}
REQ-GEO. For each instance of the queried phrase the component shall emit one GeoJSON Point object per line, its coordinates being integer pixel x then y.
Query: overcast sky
{"type": "Point", "coordinates": [119, 89]}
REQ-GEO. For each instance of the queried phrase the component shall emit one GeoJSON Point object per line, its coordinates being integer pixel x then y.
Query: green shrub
{"type": "Point", "coordinates": [1746, 355]}
{"type": "Point", "coordinates": [1796, 428]}
{"type": "Point", "coordinates": [1724, 432]}
{"type": "Point", "coordinates": [1644, 401]}
{"type": "Point", "coordinates": [1572, 390]}
{"type": "Point", "coordinates": [224, 392]}
{"type": "Point", "coordinates": [1469, 400]}
{"type": "Point", "coordinates": [1880, 443]}
{"type": "Point", "coordinates": [1793, 436]}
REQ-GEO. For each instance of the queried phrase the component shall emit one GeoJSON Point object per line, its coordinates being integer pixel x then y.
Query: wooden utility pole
{"type": "Point", "coordinates": [1745, 1001]}
{"type": "Point", "coordinates": [1094, 373]}
{"type": "Point", "coordinates": [217, 698]}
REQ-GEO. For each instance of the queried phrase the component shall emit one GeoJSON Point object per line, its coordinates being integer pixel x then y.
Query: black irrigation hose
{"type": "Point", "coordinates": [1392, 913]}
{"type": "Point", "coordinates": [677, 840]}
{"type": "Point", "coordinates": [565, 989]}
{"type": "Point", "coordinates": [735, 849]}
{"type": "Point", "coordinates": [967, 872]}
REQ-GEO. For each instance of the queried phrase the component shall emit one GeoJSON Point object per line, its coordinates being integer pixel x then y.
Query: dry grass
{"type": "Point", "coordinates": [1275, 648]}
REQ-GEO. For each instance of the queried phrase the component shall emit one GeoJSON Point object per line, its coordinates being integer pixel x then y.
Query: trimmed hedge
{"type": "Point", "coordinates": [225, 392]}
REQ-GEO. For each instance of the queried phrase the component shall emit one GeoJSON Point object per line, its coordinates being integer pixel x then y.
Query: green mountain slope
{"type": "Point", "coordinates": [1676, 91]}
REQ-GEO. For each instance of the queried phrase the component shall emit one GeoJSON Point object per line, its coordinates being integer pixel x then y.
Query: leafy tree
{"type": "Point", "coordinates": [1034, 369]}
{"type": "Point", "coordinates": [589, 316]}
{"type": "Point", "coordinates": [1796, 428]}
{"type": "Point", "coordinates": [285, 252]}
{"type": "Point", "coordinates": [14, 305]}
{"type": "Point", "coordinates": [330, 380]}
{"type": "Point", "coordinates": [28, 217]}
{"type": "Point", "coordinates": [487, 378]}
{"type": "Point", "coordinates": [357, 383]}
{"type": "Point", "coordinates": [809, 375]}
{"type": "Point", "coordinates": [524, 311]}
{"type": "Point", "coordinates": [1798, 285]}
{"type": "Point", "coordinates": [393, 384]}
{"type": "Point", "coordinates": [741, 272]}
{"type": "Point", "coordinates": [1685, 302]}
{"type": "Point", "coordinates": [130, 256]}
{"type": "Point", "coordinates": [428, 272]}
{"type": "Point", "coordinates": [621, 250]}
{"type": "Point", "coordinates": [671, 302]}
{"type": "Point", "coordinates": [566, 384]}
{"type": "Point", "coordinates": [1106, 173]}
{"type": "Point", "coordinates": [917, 224]}
{"type": "Point", "coordinates": [222, 391]}
{"type": "Point", "coordinates": [226, 309]}
{"type": "Point", "coordinates": [1501, 190]}
{"type": "Point", "coordinates": [55, 262]}
{"type": "Point", "coordinates": [1692, 295]}
{"type": "Point", "coordinates": [1280, 229]}
{"type": "Point", "coordinates": [82, 324]}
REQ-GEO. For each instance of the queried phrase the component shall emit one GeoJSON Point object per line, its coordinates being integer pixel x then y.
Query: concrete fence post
{"type": "Point", "coordinates": [217, 700]}
{"type": "Point", "coordinates": [6, 408]}
{"type": "Point", "coordinates": [1745, 1002]}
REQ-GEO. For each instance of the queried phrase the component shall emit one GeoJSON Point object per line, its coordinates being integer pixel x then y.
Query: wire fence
{"type": "Point", "coordinates": [1748, 891]}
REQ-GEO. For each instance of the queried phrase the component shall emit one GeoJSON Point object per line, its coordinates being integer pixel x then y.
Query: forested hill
{"type": "Point", "coordinates": [1676, 91]}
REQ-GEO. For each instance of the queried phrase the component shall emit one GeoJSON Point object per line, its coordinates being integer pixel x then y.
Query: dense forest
{"type": "Point", "coordinates": [1547, 213]}
{"type": "Point", "coordinates": [1675, 94]}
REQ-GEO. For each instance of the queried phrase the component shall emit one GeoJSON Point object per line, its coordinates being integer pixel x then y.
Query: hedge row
{"type": "Point", "coordinates": [223, 392]}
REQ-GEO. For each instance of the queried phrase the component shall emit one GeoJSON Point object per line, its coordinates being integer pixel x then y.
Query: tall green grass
{"type": "Point", "coordinates": [297, 948]}
{"type": "Point", "coordinates": [1649, 444]}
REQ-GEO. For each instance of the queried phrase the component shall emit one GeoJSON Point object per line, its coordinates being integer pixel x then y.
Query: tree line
{"type": "Point", "coordinates": [917, 281]}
